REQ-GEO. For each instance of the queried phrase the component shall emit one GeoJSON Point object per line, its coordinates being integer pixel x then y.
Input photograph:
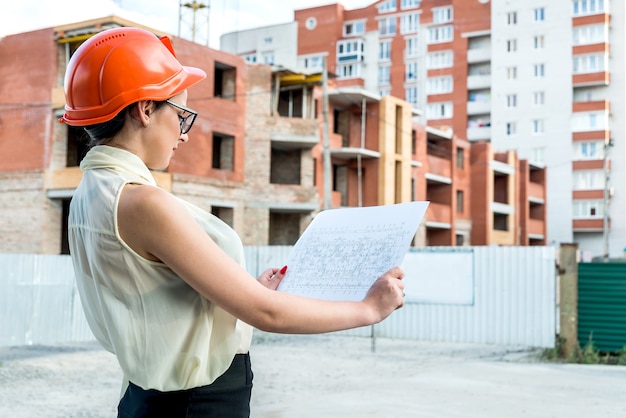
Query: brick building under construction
{"type": "Point", "coordinates": [255, 155]}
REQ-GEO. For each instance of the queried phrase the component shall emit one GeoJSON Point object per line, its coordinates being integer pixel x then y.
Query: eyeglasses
{"type": "Point", "coordinates": [186, 119]}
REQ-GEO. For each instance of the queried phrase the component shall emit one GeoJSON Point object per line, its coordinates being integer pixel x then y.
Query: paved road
{"type": "Point", "coordinates": [337, 376]}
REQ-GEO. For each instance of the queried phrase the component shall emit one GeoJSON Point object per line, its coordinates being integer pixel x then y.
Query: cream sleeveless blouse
{"type": "Point", "coordinates": [165, 335]}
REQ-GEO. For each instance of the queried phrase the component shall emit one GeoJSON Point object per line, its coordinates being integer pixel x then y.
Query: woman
{"type": "Point", "coordinates": [161, 281]}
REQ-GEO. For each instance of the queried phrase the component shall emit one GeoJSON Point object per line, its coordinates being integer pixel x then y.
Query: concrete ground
{"type": "Point", "coordinates": [336, 376]}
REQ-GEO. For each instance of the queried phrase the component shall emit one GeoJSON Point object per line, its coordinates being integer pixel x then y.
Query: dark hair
{"type": "Point", "coordinates": [101, 133]}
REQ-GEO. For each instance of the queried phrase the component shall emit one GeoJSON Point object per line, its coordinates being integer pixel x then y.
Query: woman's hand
{"type": "Point", "coordinates": [387, 293]}
{"type": "Point", "coordinates": [270, 278]}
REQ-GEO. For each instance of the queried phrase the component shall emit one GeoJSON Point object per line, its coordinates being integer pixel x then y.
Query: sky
{"type": "Point", "coordinates": [224, 15]}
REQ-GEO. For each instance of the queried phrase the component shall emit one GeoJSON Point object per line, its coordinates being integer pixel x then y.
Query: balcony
{"type": "Point", "coordinates": [591, 79]}
{"type": "Point", "coordinates": [351, 153]}
{"type": "Point", "coordinates": [502, 208]}
{"type": "Point", "coordinates": [479, 133]}
{"type": "Point", "coordinates": [475, 55]}
{"type": "Point", "coordinates": [478, 108]}
{"type": "Point", "coordinates": [438, 168]}
{"type": "Point", "coordinates": [536, 228]}
{"type": "Point", "coordinates": [482, 81]}
{"type": "Point", "coordinates": [536, 192]}
{"type": "Point", "coordinates": [290, 142]}
{"type": "Point", "coordinates": [438, 215]}
{"type": "Point", "coordinates": [588, 225]}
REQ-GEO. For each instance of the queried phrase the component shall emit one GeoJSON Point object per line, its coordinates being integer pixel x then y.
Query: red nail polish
{"type": "Point", "coordinates": [283, 270]}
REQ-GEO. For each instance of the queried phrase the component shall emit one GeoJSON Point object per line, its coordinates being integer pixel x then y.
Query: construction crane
{"type": "Point", "coordinates": [193, 18]}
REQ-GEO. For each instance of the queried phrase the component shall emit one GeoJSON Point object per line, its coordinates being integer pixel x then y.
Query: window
{"type": "Point", "coordinates": [589, 179]}
{"type": "Point", "coordinates": [439, 111]}
{"type": "Point", "coordinates": [460, 158]}
{"type": "Point", "coordinates": [585, 95]}
{"type": "Point", "coordinates": [500, 222]}
{"type": "Point", "coordinates": [411, 47]}
{"type": "Point", "coordinates": [251, 58]}
{"type": "Point", "coordinates": [268, 58]}
{"type": "Point", "coordinates": [538, 42]}
{"type": "Point", "coordinates": [384, 92]}
{"type": "Point", "coordinates": [439, 59]}
{"type": "Point", "coordinates": [294, 102]}
{"type": "Point", "coordinates": [585, 209]}
{"type": "Point", "coordinates": [538, 126]}
{"type": "Point", "coordinates": [460, 239]}
{"type": "Point", "coordinates": [589, 121]}
{"type": "Point", "coordinates": [387, 26]}
{"type": "Point", "coordinates": [384, 49]}
{"type": "Point", "coordinates": [483, 96]}
{"type": "Point", "coordinates": [511, 100]}
{"type": "Point", "coordinates": [387, 6]}
{"type": "Point", "coordinates": [590, 34]}
{"type": "Point", "coordinates": [511, 73]}
{"type": "Point", "coordinates": [538, 98]}
{"type": "Point", "coordinates": [348, 70]}
{"type": "Point", "coordinates": [285, 166]}
{"type": "Point", "coordinates": [539, 70]}
{"type": "Point", "coordinates": [350, 50]}
{"type": "Point", "coordinates": [459, 201]}
{"type": "Point", "coordinates": [77, 146]}
{"type": "Point", "coordinates": [589, 150]}
{"type": "Point", "coordinates": [539, 14]}
{"type": "Point", "coordinates": [313, 62]}
{"type": "Point", "coordinates": [268, 40]}
{"type": "Point", "coordinates": [409, 23]}
{"type": "Point", "coordinates": [479, 69]}
{"type": "Point", "coordinates": [511, 45]}
{"type": "Point", "coordinates": [224, 213]}
{"type": "Point", "coordinates": [511, 128]}
{"type": "Point", "coordinates": [587, 7]}
{"type": "Point", "coordinates": [223, 156]}
{"type": "Point", "coordinates": [539, 154]}
{"type": "Point", "coordinates": [439, 85]}
{"type": "Point", "coordinates": [311, 23]}
{"type": "Point", "coordinates": [440, 34]}
{"type": "Point", "coordinates": [411, 71]}
{"type": "Point", "coordinates": [224, 77]}
{"type": "Point", "coordinates": [384, 72]}
{"type": "Point", "coordinates": [354, 28]}
{"type": "Point", "coordinates": [442, 15]}
{"type": "Point", "coordinates": [511, 18]}
{"type": "Point", "coordinates": [411, 95]}
{"type": "Point", "coordinates": [589, 63]}
{"type": "Point", "coordinates": [410, 4]}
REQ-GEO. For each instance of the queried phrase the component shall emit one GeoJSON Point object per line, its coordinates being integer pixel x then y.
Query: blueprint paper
{"type": "Point", "coordinates": [343, 251]}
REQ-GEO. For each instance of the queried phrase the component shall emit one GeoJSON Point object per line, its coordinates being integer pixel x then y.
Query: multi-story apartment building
{"type": "Point", "coordinates": [543, 78]}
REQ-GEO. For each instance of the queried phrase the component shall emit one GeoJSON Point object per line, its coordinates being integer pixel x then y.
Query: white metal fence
{"type": "Point", "coordinates": [492, 295]}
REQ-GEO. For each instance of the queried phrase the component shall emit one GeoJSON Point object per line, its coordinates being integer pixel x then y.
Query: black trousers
{"type": "Point", "coordinates": [227, 397]}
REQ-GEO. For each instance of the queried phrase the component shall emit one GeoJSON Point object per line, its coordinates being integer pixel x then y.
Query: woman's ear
{"type": "Point", "coordinates": [142, 112]}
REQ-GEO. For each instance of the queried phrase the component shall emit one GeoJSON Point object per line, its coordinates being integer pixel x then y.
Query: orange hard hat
{"type": "Point", "coordinates": [118, 67]}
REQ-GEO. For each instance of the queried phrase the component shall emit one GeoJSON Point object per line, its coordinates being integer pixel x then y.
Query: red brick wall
{"type": "Point", "coordinates": [27, 74]}
{"type": "Point", "coordinates": [214, 114]}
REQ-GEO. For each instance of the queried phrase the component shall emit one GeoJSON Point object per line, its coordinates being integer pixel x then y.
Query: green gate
{"type": "Point", "coordinates": [602, 305]}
